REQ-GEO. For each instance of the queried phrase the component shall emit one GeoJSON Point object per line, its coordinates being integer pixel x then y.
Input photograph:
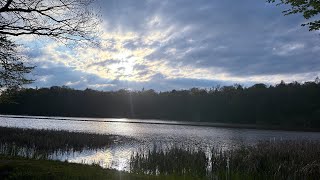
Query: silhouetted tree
{"type": "Point", "coordinates": [63, 20]}
{"type": "Point", "coordinates": [58, 19]}
{"type": "Point", "coordinates": [12, 67]}
{"type": "Point", "coordinates": [308, 8]}
{"type": "Point", "coordinates": [285, 105]}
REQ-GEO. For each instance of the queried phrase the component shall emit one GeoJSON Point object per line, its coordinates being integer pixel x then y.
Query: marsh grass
{"type": "Point", "coordinates": [279, 160]}
{"type": "Point", "coordinates": [265, 160]}
{"type": "Point", "coordinates": [174, 161]}
{"type": "Point", "coordinates": [34, 143]}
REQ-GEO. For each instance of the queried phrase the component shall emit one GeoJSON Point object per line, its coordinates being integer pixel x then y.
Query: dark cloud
{"type": "Point", "coordinates": [106, 63]}
{"type": "Point", "coordinates": [140, 67]}
{"type": "Point", "coordinates": [237, 36]}
{"type": "Point", "coordinates": [240, 38]}
{"type": "Point", "coordinates": [125, 15]}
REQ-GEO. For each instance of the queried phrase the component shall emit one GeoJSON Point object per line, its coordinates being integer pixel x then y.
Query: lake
{"type": "Point", "coordinates": [147, 134]}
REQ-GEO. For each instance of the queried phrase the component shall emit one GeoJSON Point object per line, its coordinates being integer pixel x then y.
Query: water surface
{"type": "Point", "coordinates": [160, 133]}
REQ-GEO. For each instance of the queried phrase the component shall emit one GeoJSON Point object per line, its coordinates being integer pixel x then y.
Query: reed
{"type": "Point", "coordinates": [173, 161]}
{"type": "Point", "coordinates": [42, 143]}
{"type": "Point", "coordinates": [265, 160]}
{"type": "Point", "coordinates": [277, 160]}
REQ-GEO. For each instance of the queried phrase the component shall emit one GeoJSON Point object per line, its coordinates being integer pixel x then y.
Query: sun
{"type": "Point", "coordinates": [126, 65]}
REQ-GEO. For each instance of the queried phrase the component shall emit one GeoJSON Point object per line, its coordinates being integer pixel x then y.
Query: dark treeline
{"type": "Point", "coordinates": [291, 105]}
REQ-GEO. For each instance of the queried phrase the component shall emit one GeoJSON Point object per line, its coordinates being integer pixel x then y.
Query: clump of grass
{"type": "Point", "coordinates": [15, 141]}
{"type": "Point", "coordinates": [173, 161]}
{"type": "Point", "coordinates": [265, 160]}
{"type": "Point", "coordinates": [279, 160]}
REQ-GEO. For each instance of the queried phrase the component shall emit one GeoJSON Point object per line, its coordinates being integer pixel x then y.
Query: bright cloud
{"type": "Point", "coordinates": [181, 44]}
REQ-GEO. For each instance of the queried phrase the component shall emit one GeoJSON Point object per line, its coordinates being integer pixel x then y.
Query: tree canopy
{"type": "Point", "coordinates": [12, 69]}
{"type": "Point", "coordinates": [63, 20]}
{"type": "Point", "coordinates": [308, 8]}
{"type": "Point", "coordinates": [285, 105]}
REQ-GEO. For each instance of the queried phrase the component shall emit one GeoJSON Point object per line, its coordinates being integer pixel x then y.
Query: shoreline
{"type": "Point", "coordinates": [162, 122]}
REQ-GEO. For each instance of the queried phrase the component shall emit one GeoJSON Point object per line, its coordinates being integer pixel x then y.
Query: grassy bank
{"type": "Point", "coordinates": [19, 168]}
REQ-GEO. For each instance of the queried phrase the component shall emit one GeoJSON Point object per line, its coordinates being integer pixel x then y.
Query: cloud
{"type": "Point", "coordinates": [288, 49]}
{"type": "Point", "coordinates": [184, 43]}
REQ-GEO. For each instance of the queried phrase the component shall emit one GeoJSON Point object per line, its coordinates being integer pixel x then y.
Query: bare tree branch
{"type": "Point", "coordinates": [63, 20]}
{"type": "Point", "coordinates": [6, 5]}
{"type": "Point", "coordinates": [58, 19]}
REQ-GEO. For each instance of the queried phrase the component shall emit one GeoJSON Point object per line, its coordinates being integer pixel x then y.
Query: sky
{"type": "Point", "coordinates": [180, 44]}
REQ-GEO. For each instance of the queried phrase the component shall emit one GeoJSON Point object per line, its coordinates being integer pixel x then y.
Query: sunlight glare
{"type": "Point", "coordinates": [126, 64]}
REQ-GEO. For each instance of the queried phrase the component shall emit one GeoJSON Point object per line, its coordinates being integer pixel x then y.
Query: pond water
{"type": "Point", "coordinates": [155, 132]}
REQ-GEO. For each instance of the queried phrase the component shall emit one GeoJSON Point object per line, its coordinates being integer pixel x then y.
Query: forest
{"type": "Point", "coordinates": [286, 105]}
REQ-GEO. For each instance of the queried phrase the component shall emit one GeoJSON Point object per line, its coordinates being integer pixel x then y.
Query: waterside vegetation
{"type": "Point", "coordinates": [265, 160]}
{"type": "Point", "coordinates": [21, 168]}
{"type": "Point", "coordinates": [26, 153]}
{"type": "Point", "coordinates": [42, 143]}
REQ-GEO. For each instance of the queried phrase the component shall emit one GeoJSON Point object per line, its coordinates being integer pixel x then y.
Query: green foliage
{"type": "Point", "coordinates": [308, 8]}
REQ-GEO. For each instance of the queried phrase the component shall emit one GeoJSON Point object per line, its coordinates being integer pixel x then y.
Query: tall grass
{"type": "Point", "coordinates": [265, 160]}
{"type": "Point", "coordinates": [42, 143]}
{"type": "Point", "coordinates": [174, 161]}
{"type": "Point", "coordinates": [284, 159]}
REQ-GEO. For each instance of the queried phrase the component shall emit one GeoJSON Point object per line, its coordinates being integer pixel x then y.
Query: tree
{"type": "Point", "coordinates": [317, 80]}
{"type": "Point", "coordinates": [309, 9]}
{"type": "Point", "coordinates": [63, 20]}
{"type": "Point", "coordinates": [292, 105]}
{"type": "Point", "coordinates": [58, 19]}
{"type": "Point", "coordinates": [12, 67]}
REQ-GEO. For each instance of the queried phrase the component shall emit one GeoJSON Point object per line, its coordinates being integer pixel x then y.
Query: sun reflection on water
{"type": "Point", "coordinates": [144, 136]}
{"type": "Point", "coordinates": [108, 158]}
